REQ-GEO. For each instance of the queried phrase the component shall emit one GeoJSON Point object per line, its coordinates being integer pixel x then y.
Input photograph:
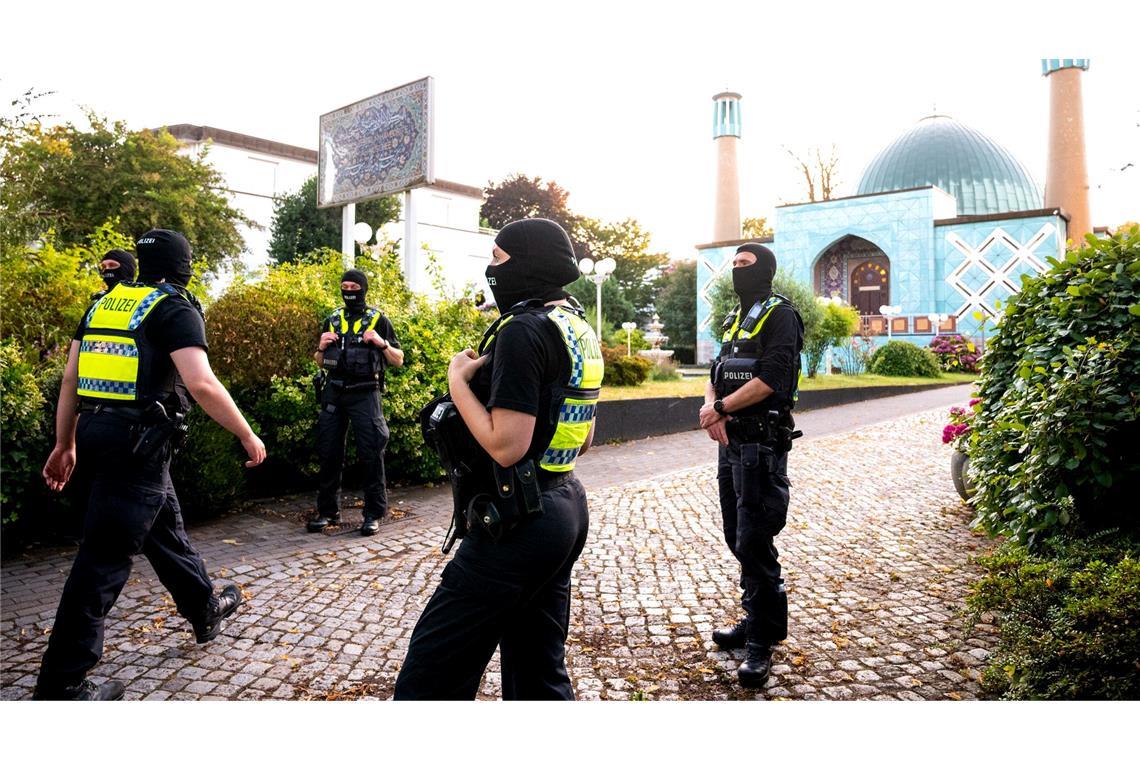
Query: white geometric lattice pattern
{"type": "Point", "coordinates": [992, 271]}
{"type": "Point", "coordinates": [703, 292]}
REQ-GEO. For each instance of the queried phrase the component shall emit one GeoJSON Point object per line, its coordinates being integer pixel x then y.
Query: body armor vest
{"type": "Point", "coordinates": [116, 362]}
{"type": "Point", "coordinates": [350, 359]}
{"type": "Point", "coordinates": [740, 348]}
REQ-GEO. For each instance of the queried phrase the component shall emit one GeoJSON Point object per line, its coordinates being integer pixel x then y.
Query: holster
{"type": "Point", "coordinates": [158, 435]}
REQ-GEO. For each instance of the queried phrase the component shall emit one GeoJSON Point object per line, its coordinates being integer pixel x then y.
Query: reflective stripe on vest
{"type": "Point", "coordinates": [372, 314]}
{"type": "Point", "coordinates": [765, 311]}
{"type": "Point", "coordinates": [580, 396]}
{"type": "Point", "coordinates": [109, 349]}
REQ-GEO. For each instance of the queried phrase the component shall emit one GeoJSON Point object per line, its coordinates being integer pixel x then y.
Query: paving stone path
{"type": "Point", "coordinates": [876, 555]}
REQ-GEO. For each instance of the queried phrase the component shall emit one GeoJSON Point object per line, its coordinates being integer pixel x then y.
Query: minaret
{"type": "Point", "coordinates": [1067, 173]}
{"type": "Point", "coordinates": [726, 134]}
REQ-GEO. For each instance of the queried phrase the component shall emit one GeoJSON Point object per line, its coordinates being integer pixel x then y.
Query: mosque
{"type": "Point", "coordinates": [943, 225]}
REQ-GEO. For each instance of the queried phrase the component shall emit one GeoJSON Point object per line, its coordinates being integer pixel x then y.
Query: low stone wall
{"type": "Point", "coordinates": [631, 419]}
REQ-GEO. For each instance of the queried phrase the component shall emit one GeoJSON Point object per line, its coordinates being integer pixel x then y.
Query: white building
{"type": "Point", "coordinates": [257, 171]}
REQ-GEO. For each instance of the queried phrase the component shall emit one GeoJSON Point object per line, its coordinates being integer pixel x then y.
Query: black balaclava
{"type": "Point", "coordinates": [542, 262]}
{"type": "Point", "coordinates": [164, 254]}
{"type": "Point", "coordinates": [354, 299]}
{"type": "Point", "coordinates": [125, 271]}
{"type": "Point", "coordinates": [754, 282]}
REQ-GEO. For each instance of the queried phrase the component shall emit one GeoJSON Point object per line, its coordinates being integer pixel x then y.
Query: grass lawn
{"type": "Point", "coordinates": [696, 386]}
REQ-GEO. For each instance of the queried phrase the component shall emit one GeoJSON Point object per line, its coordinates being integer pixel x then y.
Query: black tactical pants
{"type": "Point", "coordinates": [753, 484]}
{"type": "Point", "coordinates": [514, 594]}
{"type": "Point", "coordinates": [132, 509]}
{"type": "Point", "coordinates": [365, 411]}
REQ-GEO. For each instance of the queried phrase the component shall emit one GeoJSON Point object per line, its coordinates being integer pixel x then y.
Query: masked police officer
{"type": "Point", "coordinates": [357, 342]}
{"type": "Point", "coordinates": [748, 412]}
{"type": "Point", "coordinates": [116, 266]}
{"type": "Point", "coordinates": [138, 356]}
{"type": "Point", "coordinates": [528, 400]}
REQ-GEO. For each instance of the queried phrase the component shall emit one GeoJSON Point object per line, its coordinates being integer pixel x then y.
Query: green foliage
{"type": "Point", "coordinates": [898, 358]}
{"type": "Point", "coordinates": [676, 303]}
{"type": "Point", "coordinates": [840, 321]}
{"type": "Point", "coordinates": [627, 244]}
{"type": "Point", "coordinates": [955, 353]}
{"type": "Point", "coordinates": [616, 308]}
{"type": "Point", "coordinates": [73, 180]}
{"type": "Point", "coordinates": [624, 370]}
{"type": "Point", "coordinates": [300, 228]}
{"type": "Point", "coordinates": [46, 291]}
{"type": "Point", "coordinates": [756, 227]}
{"type": "Point", "coordinates": [521, 197]}
{"type": "Point", "coordinates": [1067, 615]}
{"type": "Point", "coordinates": [209, 471]}
{"type": "Point", "coordinates": [23, 431]}
{"type": "Point", "coordinates": [664, 372]}
{"type": "Point", "coordinates": [1052, 444]}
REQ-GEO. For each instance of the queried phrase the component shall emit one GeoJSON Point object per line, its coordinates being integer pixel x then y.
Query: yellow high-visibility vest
{"type": "Point", "coordinates": [111, 349]}
{"type": "Point", "coordinates": [577, 399]}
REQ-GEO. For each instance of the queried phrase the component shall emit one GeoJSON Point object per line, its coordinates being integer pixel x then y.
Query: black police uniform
{"type": "Point", "coordinates": [513, 593]}
{"type": "Point", "coordinates": [752, 472]}
{"type": "Point", "coordinates": [133, 509]}
{"type": "Point", "coordinates": [352, 393]}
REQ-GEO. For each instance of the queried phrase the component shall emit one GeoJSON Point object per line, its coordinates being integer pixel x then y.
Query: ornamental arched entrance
{"type": "Point", "coordinates": [857, 271]}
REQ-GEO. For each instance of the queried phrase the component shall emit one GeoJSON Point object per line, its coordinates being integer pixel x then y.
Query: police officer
{"type": "Point", "coordinates": [138, 357]}
{"type": "Point", "coordinates": [357, 342]}
{"type": "Point", "coordinates": [116, 266]}
{"type": "Point", "coordinates": [528, 399]}
{"type": "Point", "coordinates": [748, 412]}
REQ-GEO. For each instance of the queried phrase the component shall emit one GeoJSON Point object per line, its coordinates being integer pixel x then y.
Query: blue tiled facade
{"type": "Point", "coordinates": [949, 267]}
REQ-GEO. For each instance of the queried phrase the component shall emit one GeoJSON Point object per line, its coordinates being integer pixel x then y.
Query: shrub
{"type": "Point", "coordinates": [209, 471]}
{"type": "Point", "coordinates": [899, 358]}
{"type": "Point", "coordinates": [1067, 616]}
{"type": "Point", "coordinates": [853, 356]}
{"type": "Point", "coordinates": [22, 430]}
{"type": "Point", "coordinates": [1053, 441]}
{"type": "Point", "coordinates": [840, 321]}
{"type": "Point", "coordinates": [624, 370]}
{"type": "Point", "coordinates": [664, 372]}
{"type": "Point", "coordinates": [955, 353]}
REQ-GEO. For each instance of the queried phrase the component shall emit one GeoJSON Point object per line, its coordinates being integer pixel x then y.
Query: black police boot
{"type": "Point", "coordinates": [221, 606]}
{"type": "Point", "coordinates": [108, 691]}
{"type": "Point", "coordinates": [753, 672]}
{"type": "Point", "coordinates": [731, 638]}
{"type": "Point", "coordinates": [370, 527]}
{"type": "Point", "coordinates": [320, 522]}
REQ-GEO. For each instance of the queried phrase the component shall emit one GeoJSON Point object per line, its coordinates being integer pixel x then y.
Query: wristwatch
{"type": "Point", "coordinates": [718, 407]}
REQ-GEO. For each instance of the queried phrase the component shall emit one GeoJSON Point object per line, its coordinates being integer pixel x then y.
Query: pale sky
{"type": "Point", "coordinates": [611, 100]}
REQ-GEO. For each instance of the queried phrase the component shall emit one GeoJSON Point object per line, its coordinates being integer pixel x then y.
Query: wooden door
{"type": "Point", "coordinates": [871, 285]}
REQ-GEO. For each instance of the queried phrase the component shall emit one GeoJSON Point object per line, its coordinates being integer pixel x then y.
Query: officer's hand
{"type": "Point", "coordinates": [709, 415]}
{"type": "Point", "coordinates": [255, 449]}
{"type": "Point", "coordinates": [373, 337]}
{"type": "Point", "coordinates": [327, 339]}
{"type": "Point", "coordinates": [60, 464]}
{"type": "Point", "coordinates": [718, 431]}
{"type": "Point", "coordinates": [463, 366]}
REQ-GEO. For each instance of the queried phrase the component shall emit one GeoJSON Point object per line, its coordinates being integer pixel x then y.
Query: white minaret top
{"type": "Point", "coordinates": [726, 134]}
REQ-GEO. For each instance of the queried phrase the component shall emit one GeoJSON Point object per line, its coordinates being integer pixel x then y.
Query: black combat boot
{"type": "Point", "coordinates": [370, 527]}
{"type": "Point", "coordinates": [221, 606]}
{"type": "Point", "coordinates": [731, 638]}
{"type": "Point", "coordinates": [320, 522]}
{"type": "Point", "coordinates": [753, 672]}
{"type": "Point", "coordinates": [108, 691]}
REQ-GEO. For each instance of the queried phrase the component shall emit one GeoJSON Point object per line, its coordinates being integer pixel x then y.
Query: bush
{"type": "Point", "coordinates": [1067, 616]}
{"type": "Point", "coordinates": [955, 354]}
{"type": "Point", "coordinates": [25, 438]}
{"type": "Point", "coordinates": [899, 358]}
{"type": "Point", "coordinates": [664, 372]}
{"type": "Point", "coordinates": [1053, 443]}
{"type": "Point", "coordinates": [853, 356]}
{"type": "Point", "coordinates": [840, 321]}
{"type": "Point", "coordinates": [209, 471]}
{"type": "Point", "coordinates": [624, 370]}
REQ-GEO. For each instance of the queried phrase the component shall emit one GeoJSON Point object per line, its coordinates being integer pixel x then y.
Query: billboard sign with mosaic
{"type": "Point", "coordinates": [377, 146]}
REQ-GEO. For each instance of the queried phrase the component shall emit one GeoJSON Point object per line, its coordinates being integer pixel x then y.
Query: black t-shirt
{"type": "Point", "coordinates": [781, 340]}
{"type": "Point", "coordinates": [529, 359]}
{"type": "Point", "coordinates": [172, 324]}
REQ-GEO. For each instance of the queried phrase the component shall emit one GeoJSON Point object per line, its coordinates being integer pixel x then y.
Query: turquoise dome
{"type": "Point", "coordinates": [984, 177]}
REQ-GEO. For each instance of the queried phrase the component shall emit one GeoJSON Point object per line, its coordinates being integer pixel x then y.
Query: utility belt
{"type": "Point", "coordinates": [774, 429]}
{"type": "Point", "coordinates": [155, 437]}
{"type": "Point", "coordinates": [484, 493]}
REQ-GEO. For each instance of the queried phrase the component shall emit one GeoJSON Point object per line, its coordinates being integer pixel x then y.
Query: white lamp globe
{"type": "Point", "coordinates": [361, 232]}
{"type": "Point", "coordinates": [606, 266]}
{"type": "Point", "coordinates": [585, 266]}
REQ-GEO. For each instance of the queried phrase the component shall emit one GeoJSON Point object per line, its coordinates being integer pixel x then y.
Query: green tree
{"type": "Point", "coordinates": [627, 243]}
{"type": "Point", "coordinates": [616, 307]}
{"type": "Point", "coordinates": [839, 323]}
{"type": "Point", "coordinates": [73, 180]}
{"type": "Point", "coordinates": [676, 304]}
{"type": "Point", "coordinates": [299, 227]}
{"type": "Point", "coordinates": [521, 197]}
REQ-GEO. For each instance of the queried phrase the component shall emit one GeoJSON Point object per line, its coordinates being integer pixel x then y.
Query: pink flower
{"type": "Point", "coordinates": [975, 401]}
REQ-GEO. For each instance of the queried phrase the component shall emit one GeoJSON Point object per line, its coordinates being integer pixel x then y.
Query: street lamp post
{"type": "Point", "coordinates": [598, 273]}
{"type": "Point", "coordinates": [628, 327]}
{"type": "Point", "coordinates": [888, 312]}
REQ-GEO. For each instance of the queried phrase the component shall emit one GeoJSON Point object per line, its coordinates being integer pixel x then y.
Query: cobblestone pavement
{"type": "Point", "coordinates": [876, 557]}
